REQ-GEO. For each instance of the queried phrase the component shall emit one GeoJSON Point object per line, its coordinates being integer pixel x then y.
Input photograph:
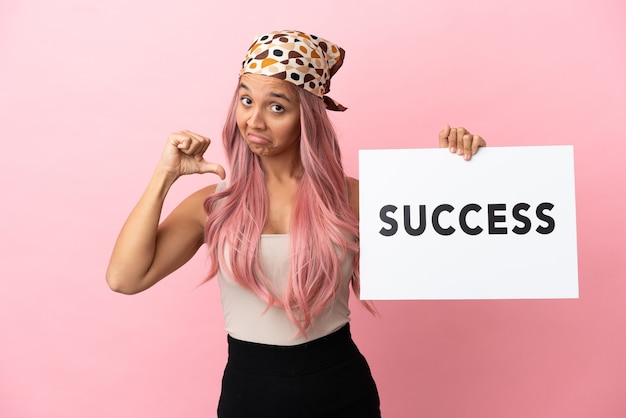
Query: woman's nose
{"type": "Point", "coordinates": [256, 119]}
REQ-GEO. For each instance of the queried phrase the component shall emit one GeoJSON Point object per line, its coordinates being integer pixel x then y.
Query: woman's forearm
{"type": "Point", "coordinates": [135, 248]}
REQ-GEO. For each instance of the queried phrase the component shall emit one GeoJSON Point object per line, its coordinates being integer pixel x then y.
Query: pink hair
{"type": "Point", "coordinates": [323, 229]}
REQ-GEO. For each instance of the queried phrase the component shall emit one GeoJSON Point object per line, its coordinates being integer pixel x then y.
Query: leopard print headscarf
{"type": "Point", "coordinates": [305, 60]}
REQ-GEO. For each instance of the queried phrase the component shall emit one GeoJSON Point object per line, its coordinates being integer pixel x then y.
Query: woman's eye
{"type": "Point", "coordinates": [277, 108]}
{"type": "Point", "coordinates": [246, 101]}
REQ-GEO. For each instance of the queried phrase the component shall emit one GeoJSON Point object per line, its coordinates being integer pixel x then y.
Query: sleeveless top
{"type": "Point", "coordinates": [248, 318]}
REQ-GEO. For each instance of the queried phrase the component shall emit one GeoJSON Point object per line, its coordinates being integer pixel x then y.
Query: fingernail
{"type": "Point", "coordinates": [452, 149]}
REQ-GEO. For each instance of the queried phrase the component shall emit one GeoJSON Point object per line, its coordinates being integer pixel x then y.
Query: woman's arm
{"type": "Point", "coordinates": [145, 251]}
{"type": "Point", "coordinates": [459, 140]}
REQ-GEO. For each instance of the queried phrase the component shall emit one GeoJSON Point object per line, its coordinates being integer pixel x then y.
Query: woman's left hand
{"type": "Point", "coordinates": [460, 141]}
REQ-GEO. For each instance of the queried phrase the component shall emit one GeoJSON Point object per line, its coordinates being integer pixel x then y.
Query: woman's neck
{"type": "Point", "coordinates": [282, 169]}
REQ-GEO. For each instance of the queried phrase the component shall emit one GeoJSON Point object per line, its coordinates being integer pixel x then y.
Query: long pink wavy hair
{"type": "Point", "coordinates": [323, 229]}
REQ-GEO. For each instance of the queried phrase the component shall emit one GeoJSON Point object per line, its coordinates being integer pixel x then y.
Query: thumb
{"type": "Point", "coordinates": [207, 167]}
{"type": "Point", "coordinates": [443, 136]}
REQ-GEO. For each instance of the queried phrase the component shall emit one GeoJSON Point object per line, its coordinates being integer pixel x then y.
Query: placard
{"type": "Point", "coordinates": [501, 226]}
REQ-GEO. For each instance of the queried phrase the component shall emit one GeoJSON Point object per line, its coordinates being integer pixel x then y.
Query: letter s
{"type": "Point", "coordinates": [546, 218]}
{"type": "Point", "coordinates": [393, 225]}
{"type": "Point", "coordinates": [517, 215]}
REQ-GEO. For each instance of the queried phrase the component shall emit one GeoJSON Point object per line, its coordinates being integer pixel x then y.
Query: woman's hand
{"type": "Point", "coordinates": [460, 141]}
{"type": "Point", "coordinates": [183, 154]}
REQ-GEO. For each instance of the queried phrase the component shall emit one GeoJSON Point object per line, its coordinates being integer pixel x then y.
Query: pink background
{"type": "Point", "coordinates": [89, 92]}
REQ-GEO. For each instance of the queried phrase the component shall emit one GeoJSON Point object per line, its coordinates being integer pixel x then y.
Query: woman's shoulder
{"type": "Point", "coordinates": [353, 194]}
{"type": "Point", "coordinates": [203, 193]}
{"type": "Point", "coordinates": [353, 185]}
{"type": "Point", "coordinates": [192, 207]}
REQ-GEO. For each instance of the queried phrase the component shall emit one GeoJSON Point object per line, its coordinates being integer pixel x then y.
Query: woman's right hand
{"type": "Point", "coordinates": [183, 154]}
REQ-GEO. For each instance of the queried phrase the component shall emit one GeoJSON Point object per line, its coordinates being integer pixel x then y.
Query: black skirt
{"type": "Point", "coordinates": [327, 377]}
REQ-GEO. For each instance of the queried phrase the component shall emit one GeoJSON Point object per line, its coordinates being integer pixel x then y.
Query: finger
{"type": "Point", "coordinates": [460, 134]}
{"type": "Point", "coordinates": [188, 146]}
{"type": "Point", "coordinates": [207, 167]}
{"type": "Point", "coordinates": [183, 143]}
{"type": "Point", "coordinates": [443, 137]}
{"type": "Point", "coordinates": [201, 149]}
{"type": "Point", "coordinates": [452, 140]}
{"type": "Point", "coordinates": [199, 143]}
{"type": "Point", "coordinates": [176, 137]}
{"type": "Point", "coordinates": [477, 142]}
{"type": "Point", "coordinates": [196, 136]}
{"type": "Point", "coordinates": [195, 147]}
{"type": "Point", "coordinates": [204, 147]}
{"type": "Point", "coordinates": [180, 140]}
{"type": "Point", "coordinates": [467, 146]}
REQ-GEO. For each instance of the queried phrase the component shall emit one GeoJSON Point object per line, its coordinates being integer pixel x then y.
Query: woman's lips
{"type": "Point", "coordinates": [258, 139]}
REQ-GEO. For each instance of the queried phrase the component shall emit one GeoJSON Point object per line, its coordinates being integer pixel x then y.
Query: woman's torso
{"type": "Point", "coordinates": [248, 318]}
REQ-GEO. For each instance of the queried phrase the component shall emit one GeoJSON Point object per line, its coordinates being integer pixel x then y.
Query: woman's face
{"type": "Point", "coordinates": [268, 115]}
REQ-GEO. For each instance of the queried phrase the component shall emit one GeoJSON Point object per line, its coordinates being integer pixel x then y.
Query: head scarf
{"type": "Point", "coordinates": [305, 60]}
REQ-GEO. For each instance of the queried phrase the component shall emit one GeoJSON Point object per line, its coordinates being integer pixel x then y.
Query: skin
{"type": "Point", "coordinates": [268, 118]}
{"type": "Point", "coordinates": [460, 141]}
{"type": "Point", "coordinates": [269, 121]}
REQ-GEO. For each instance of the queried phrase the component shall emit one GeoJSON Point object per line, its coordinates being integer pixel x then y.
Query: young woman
{"type": "Point", "coordinates": [282, 236]}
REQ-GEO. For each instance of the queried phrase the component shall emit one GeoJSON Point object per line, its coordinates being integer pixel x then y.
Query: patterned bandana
{"type": "Point", "coordinates": [305, 60]}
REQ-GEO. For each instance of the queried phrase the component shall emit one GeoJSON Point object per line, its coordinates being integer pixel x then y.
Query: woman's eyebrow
{"type": "Point", "coordinates": [271, 94]}
{"type": "Point", "coordinates": [280, 96]}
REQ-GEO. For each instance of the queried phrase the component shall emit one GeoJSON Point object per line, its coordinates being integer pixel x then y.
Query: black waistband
{"type": "Point", "coordinates": [293, 360]}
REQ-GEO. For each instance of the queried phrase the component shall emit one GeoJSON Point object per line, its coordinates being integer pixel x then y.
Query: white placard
{"type": "Point", "coordinates": [501, 226]}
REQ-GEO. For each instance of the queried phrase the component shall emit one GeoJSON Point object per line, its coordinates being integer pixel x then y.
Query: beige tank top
{"type": "Point", "coordinates": [248, 318]}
